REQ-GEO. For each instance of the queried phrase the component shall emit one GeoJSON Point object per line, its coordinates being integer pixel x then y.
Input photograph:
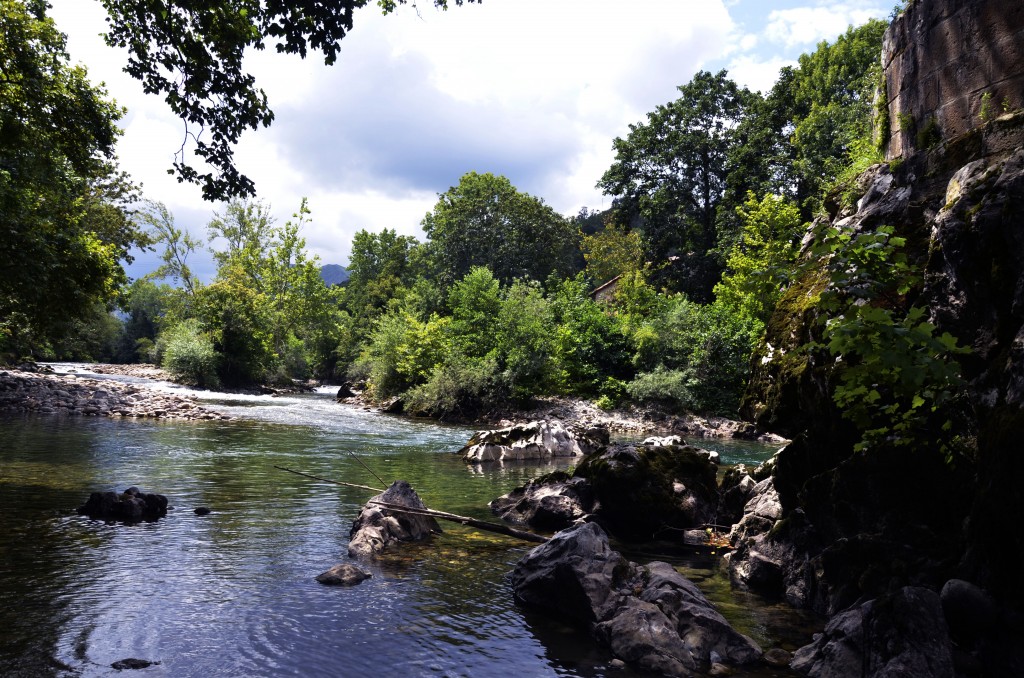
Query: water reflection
{"type": "Point", "coordinates": [232, 592]}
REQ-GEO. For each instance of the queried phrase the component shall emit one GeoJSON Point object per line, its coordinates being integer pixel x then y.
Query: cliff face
{"type": "Point", "coordinates": [948, 64]}
{"type": "Point", "coordinates": [958, 199]}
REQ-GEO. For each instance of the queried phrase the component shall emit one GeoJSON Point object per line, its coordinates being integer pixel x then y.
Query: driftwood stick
{"type": "Point", "coordinates": [328, 480]}
{"type": "Point", "coordinates": [471, 522]}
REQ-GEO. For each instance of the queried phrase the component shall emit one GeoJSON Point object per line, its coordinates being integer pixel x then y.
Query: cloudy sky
{"type": "Point", "coordinates": [535, 90]}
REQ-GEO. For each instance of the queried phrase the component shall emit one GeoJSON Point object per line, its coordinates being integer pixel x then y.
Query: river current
{"type": "Point", "coordinates": [233, 593]}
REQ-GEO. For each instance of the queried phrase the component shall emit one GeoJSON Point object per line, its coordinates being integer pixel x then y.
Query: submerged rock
{"type": "Point", "coordinates": [649, 616]}
{"type": "Point", "coordinates": [130, 506]}
{"type": "Point", "coordinates": [377, 527]}
{"type": "Point", "coordinates": [343, 574]}
{"type": "Point", "coordinates": [534, 440]}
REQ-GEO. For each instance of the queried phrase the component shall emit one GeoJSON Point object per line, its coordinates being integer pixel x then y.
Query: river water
{"type": "Point", "coordinates": [232, 593]}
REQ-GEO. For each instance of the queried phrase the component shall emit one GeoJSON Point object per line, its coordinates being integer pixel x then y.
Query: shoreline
{"type": "Point", "coordinates": [50, 393]}
{"type": "Point", "coordinates": [44, 392]}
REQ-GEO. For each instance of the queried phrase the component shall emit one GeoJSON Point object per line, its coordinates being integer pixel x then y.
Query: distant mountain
{"type": "Point", "coordinates": [333, 274]}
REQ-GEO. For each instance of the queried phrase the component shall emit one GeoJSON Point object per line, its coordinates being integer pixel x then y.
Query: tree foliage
{"type": "Point", "coordinates": [64, 225]}
{"type": "Point", "coordinates": [761, 262]}
{"type": "Point", "coordinates": [485, 221]}
{"type": "Point", "coordinates": [192, 52]}
{"type": "Point", "coordinates": [669, 174]}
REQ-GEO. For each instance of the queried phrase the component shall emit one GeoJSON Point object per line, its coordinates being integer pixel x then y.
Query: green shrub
{"type": "Point", "coordinates": [189, 355]}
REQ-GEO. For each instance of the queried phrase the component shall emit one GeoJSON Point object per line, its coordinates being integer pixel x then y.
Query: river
{"type": "Point", "coordinates": [232, 593]}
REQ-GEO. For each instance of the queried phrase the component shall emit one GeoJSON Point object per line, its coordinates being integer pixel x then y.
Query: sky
{"type": "Point", "coordinates": [535, 90]}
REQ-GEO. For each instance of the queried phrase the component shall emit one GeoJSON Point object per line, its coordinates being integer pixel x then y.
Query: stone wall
{"type": "Point", "coordinates": [946, 59]}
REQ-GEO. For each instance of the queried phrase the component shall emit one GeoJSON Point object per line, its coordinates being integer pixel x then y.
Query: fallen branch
{"type": "Point", "coordinates": [328, 480]}
{"type": "Point", "coordinates": [464, 520]}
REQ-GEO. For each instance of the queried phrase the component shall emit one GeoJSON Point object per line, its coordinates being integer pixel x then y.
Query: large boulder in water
{"type": "Point", "coordinates": [378, 526]}
{"type": "Point", "coordinates": [633, 491]}
{"type": "Point", "coordinates": [650, 616]}
{"type": "Point", "coordinates": [534, 440]}
{"type": "Point", "coordinates": [130, 506]}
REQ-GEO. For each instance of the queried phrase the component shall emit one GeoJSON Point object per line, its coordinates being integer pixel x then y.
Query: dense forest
{"type": "Point", "coordinates": [712, 194]}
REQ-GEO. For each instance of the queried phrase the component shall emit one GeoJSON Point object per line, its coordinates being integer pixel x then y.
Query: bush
{"type": "Point", "coordinates": [189, 355]}
{"type": "Point", "coordinates": [460, 387]}
{"type": "Point", "coordinates": [665, 385]}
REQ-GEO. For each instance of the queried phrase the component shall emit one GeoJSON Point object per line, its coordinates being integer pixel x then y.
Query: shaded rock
{"type": "Point", "coordinates": [778, 658]}
{"type": "Point", "coordinates": [650, 616]}
{"type": "Point", "coordinates": [345, 391]}
{"type": "Point", "coordinates": [639, 490]}
{"type": "Point", "coordinates": [130, 506]}
{"type": "Point", "coordinates": [202, 511]}
{"type": "Point", "coordinates": [903, 634]}
{"type": "Point", "coordinates": [551, 503]}
{"type": "Point", "coordinates": [393, 406]}
{"type": "Point", "coordinates": [343, 574]}
{"type": "Point", "coordinates": [970, 612]}
{"type": "Point", "coordinates": [378, 527]}
{"type": "Point", "coordinates": [534, 440]}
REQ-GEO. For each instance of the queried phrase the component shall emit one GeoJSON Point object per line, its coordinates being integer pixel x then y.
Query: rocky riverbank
{"type": "Point", "coordinates": [70, 394]}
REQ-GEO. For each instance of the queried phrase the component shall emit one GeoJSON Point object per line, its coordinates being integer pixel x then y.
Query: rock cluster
{"type": "Point", "coordinates": [66, 394]}
{"type": "Point", "coordinates": [649, 616]}
{"type": "Point", "coordinates": [531, 441]}
{"type": "Point", "coordinates": [130, 506]}
{"type": "Point", "coordinates": [377, 526]}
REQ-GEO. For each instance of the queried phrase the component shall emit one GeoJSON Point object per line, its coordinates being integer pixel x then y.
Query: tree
{"type": "Point", "coordinates": [763, 259]}
{"type": "Point", "coordinates": [612, 251]}
{"type": "Point", "coordinates": [485, 221]}
{"type": "Point", "coordinates": [669, 176]}
{"type": "Point", "coordinates": [192, 52]}
{"type": "Point", "coordinates": [64, 222]}
{"type": "Point", "coordinates": [178, 245]}
{"type": "Point", "coordinates": [832, 95]}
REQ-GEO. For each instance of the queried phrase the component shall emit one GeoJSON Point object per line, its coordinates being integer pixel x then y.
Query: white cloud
{"type": "Point", "coordinates": [533, 89]}
{"type": "Point", "coordinates": [806, 26]}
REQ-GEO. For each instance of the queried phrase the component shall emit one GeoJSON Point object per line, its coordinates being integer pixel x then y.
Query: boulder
{"type": "Point", "coordinates": [343, 574]}
{"type": "Point", "coordinates": [130, 506]}
{"type": "Point", "coordinates": [550, 503]}
{"type": "Point", "coordinates": [649, 616]}
{"type": "Point", "coordinates": [378, 527]}
{"type": "Point", "coordinates": [534, 440]}
{"type": "Point", "coordinates": [640, 490]}
{"type": "Point", "coordinates": [633, 491]}
{"type": "Point", "coordinates": [902, 634]}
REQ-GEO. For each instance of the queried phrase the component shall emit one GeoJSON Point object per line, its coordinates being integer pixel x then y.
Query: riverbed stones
{"type": "Point", "coordinates": [343, 574]}
{"type": "Point", "coordinates": [72, 395]}
{"type": "Point", "coordinates": [545, 439]}
{"type": "Point", "coordinates": [378, 527]}
{"type": "Point", "coordinates": [649, 616]}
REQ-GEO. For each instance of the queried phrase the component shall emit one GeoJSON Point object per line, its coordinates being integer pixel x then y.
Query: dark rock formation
{"type": "Point", "coordinates": [936, 86]}
{"type": "Point", "coordinates": [132, 664]}
{"type": "Point", "coordinates": [903, 634]}
{"type": "Point", "coordinates": [378, 527]}
{"type": "Point", "coordinates": [343, 574]}
{"type": "Point", "coordinates": [130, 506]}
{"type": "Point", "coordinates": [649, 616]}
{"type": "Point", "coordinates": [533, 440]}
{"type": "Point", "coordinates": [640, 490]}
{"type": "Point", "coordinates": [550, 503]}
{"type": "Point", "coordinates": [632, 491]}
{"type": "Point", "coordinates": [957, 203]}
